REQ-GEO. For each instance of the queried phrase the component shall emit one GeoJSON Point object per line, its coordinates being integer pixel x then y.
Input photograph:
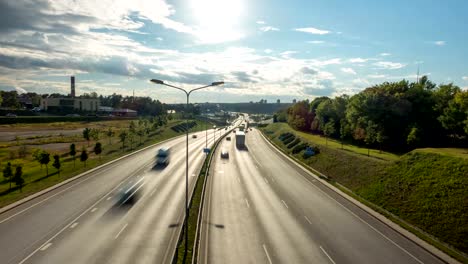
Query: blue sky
{"type": "Point", "coordinates": [261, 49]}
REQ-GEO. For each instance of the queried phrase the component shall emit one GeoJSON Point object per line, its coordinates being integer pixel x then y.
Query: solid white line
{"type": "Point", "coordinates": [247, 202]}
{"type": "Point", "coordinates": [94, 210]}
{"type": "Point", "coordinates": [121, 230]}
{"type": "Point", "coordinates": [327, 255]}
{"type": "Point", "coordinates": [67, 226]}
{"type": "Point", "coordinates": [285, 203]}
{"type": "Point", "coordinates": [74, 224]}
{"type": "Point", "coordinates": [46, 246]}
{"type": "Point", "coordinates": [108, 198]}
{"type": "Point", "coordinates": [266, 253]}
{"type": "Point", "coordinates": [256, 160]}
{"type": "Point", "coordinates": [307, 219]}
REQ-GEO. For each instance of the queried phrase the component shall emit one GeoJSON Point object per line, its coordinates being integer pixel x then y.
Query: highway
{"type": "Point", "coordinates": [260, 207]}
{"type": "Point", "coordinates": [83, 221]}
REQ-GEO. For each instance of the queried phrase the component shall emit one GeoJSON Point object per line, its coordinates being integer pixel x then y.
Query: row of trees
{"type": "Point", "coordinates": [394, 116]}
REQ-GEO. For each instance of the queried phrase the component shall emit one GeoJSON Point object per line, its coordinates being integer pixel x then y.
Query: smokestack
{"type": "Point", "coordinates": [72, 79]}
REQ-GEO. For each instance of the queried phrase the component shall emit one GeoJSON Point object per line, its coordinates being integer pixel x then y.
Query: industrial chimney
{"type": "Point", "coordinates": [72, 79]}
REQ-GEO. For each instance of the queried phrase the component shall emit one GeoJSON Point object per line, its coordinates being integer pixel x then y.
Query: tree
{"type": "Point", "coordinates": [95, 134]}
{"type": "Point", "coordinates": [45, 159]}
{"type": "Point", "coordinates": [8, 172]}
{"type": "Point", "coordinates": [413, 138]}
{"type": "Point", "coordinates": [56, 163]}
{"type": "Point", "coordinates": [110, 133]}
{"type": "Point", "coordinates": [123, 137]}
{"type": "Point", "coordinates": [37, 155]}
{"type": "Point", "coordinates": [84, 156]}
{"type": "Point", "coordinates": [18, 179]}
{"type": "Point", "coordinates": [329, 129]}
{"type": "Point", "coordinates": [87, 134]}
{"type": "Point", "coordinates": [98, 149]}
{"type": "Point", "coordinates": [140, 132]}
{"type": "Point", "coordinates": [344, 131]}
{"type": "Point", "coordinates": [371, 135]}
{"type": "Point", "coordinates": [73, 153]}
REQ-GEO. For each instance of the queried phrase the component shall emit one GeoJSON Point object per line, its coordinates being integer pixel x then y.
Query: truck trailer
{"type": "Point", "coordinates": [240, 139]}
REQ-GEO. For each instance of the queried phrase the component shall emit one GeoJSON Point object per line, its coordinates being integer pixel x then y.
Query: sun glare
{"type": "Point", "coordinates": [218, 20]}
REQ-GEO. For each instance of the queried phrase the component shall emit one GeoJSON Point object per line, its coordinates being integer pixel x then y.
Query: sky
{"type": "Point", "coordinates": [262, 49]}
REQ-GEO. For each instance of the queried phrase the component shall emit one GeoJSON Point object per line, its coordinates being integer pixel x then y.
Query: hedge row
{"type": "Point", "coordinates": [182, 127]}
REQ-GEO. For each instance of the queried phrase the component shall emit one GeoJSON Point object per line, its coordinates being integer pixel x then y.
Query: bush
{"type": "Point", "coordinates": [294, 143]}
{"type": "Point", "coordinates": [284, 135]}
{"type": "Point", "coordinates": [299, 148]}
{"type": "Point", "coordinates": [289, 139]}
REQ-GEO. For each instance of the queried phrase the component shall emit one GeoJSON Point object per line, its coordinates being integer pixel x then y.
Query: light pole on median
{"type": "Point", "coordinates": [186, 148]}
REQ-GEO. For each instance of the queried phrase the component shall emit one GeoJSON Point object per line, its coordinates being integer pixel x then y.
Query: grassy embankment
{"type": "Point", "coordinates": [35, 175]}
{"type": "Point", "coordinates": [427, 188]}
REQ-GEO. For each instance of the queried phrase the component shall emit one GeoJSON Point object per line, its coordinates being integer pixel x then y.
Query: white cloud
{"type": "Point", "coordinates": [348, 70]}
{"type": "Point", "coordinates": [465, 78]}
{"type": "Point", "coordinates": [377, 76]}
{"type": "Point", "coordinates": [268, 51]}
{"type": "Point", "coordinates": [288, 53]}
{"type": "Point", "coordinates": [384, 54]}
{"type": "Point", "coordinates": [316, 42]}
{"type": "Point", "coordinates": [358, 60]}
{"type": "Point", "coordinates": [440, 43]}
{"type": "Point", "coordinates": [314, 31]}
{"type": "Point", "coordinates": [269, 28]}
{"type": "Point", "coordinates": [261, 22]}
{"type": "Point", "coordinates": [159, 39]}
{"type": "Point", "coordinates": [389, 65]}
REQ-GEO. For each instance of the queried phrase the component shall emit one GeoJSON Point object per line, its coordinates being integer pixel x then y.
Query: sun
{"type": "Point", "coordinates": [218, 20]}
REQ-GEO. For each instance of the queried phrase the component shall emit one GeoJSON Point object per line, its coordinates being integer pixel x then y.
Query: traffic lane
{"type": "Point", "coordinates": [140, 235]}
{"type": "Point", "coordinates": [349, 233]}
{"type": "Point", "coordinates": [286, 239]}
{"type": "Point", "coordinates": [227, 218]}
{"type": "Point", "coordinates": [25, 227]}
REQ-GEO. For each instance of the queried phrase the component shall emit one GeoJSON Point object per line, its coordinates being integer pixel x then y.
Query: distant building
{"type": "Point", "coordinates": [70, 103]}
{"type": "Point", "coordinates": [117, 112]}
{"type": "Point", "coordinates": [278, 101]}
{"type": "Point", "coordinates": [294, 101]}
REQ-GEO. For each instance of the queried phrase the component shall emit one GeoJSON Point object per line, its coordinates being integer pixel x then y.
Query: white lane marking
{"type": "Point", "coordinates": [67, 226]}
{"type": "Point", "coordinates": [327, 255]}
{"type": "Point", "coordinates": [265, 180]}
{"type": "Point", "coordinates": [74, 224]}
{"type": "Point", "coordinates": [121, 230]}
{"type": "Point", "coordinates": [194, 175]}
{"type": "Point", "coordinates": [120, 189]}
{"type": "Point", "coordinates": [152, 192]}
{"type": "Point", "coordinates": [48, 198]}
{"type": "Point", "coordinates": [284, 203]}
{"type": "Point", "coordinates": [266, 253]}
{"type": "Point", "coordinates": [256, 161]}
{"type": "Point", "coordinates": [307, 219]}
{"type": "Point", "coordinates": [373, 228]}
{"type": "Point", "coordinates": [220, 171]}
{"type": "Point", "coordinates": [46, 246]}
{"type": "Point", "coordinates": [247, 202]}
{"type": "Point", "coordinates": [94, 210]}
{"type": "Point", "coordinates": [108, 198]}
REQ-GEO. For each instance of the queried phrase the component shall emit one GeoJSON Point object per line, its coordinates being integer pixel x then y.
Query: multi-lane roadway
{"type": "Point", "coordinates": [260, 207]}
{"type": "Point", "coordinates": [83, 221]}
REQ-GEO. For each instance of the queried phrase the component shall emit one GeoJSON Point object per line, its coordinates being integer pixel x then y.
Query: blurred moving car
{"type": "Point", "coordinates": [194, 136]}
{"type": "Point", "coordinates": [228, 138]}
{"type": "Point", "coordinates": [10, 115]}
{"type": "Point", "coordinates": [129, 194]}
{"type": "Point", "coordinates": [163, 156]}
{"type": "Point", "coordinates": [224, 154]}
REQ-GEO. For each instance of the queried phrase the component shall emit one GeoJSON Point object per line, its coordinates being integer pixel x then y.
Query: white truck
{"type": "Point", "coordinates": [240, 139]}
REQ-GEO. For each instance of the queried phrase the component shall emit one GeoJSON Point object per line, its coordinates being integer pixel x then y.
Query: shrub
{"type": "Point", "coordinates": [289, 139]}
{"type": "Point", "coordinates": [294, 143]}
{"type": "Point", "coordinates": [299, 148]}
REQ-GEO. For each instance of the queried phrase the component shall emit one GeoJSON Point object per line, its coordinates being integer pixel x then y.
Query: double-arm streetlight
{"type": "Point", "coordinates": [186, 147]}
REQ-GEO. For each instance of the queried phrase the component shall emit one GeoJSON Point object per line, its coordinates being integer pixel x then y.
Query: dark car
{"type": "Point", "coordinates": [224, 154]}
{"type": "Point", "coordinates": [129, 194]}
{"type": "Point", "coordinates": [194, 136]}
{"type": "Point", "coordinates": [228, 138]}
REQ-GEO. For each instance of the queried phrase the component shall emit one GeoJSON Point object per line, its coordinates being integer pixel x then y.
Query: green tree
{"type": "Point", "coordinates": [73, 153]}
{"type": "Point", "coordinates": [56, 163]}
{"type": "Point", "coordinates": [110, 133]}
{"type": "Point", "coordinates": [45, 159]}
{"type": "Point", "coordinates": [123, 137]}
{"type": "Point", "coordinates": [18, 179]}
{"type": "Point", "coordinates": [371, 135]}
{"type": "Point", "coordinates": [87, 134]}
{"type": "Point", "coordinates": [344, 131]}
{"type": "Point", "coordinates": [95, 134]}
{"type": "Point", "coordinates": [140, 132]}
{"type": "Point", "coordinates": [84, 156]}
{"type": "Point", "coordinates": [329, 130]}
{"type": "Point", "coordinates": [8, 172]}
{"type": "Point", "coordinates": [36, 154]}
{"type": "Point", "coordinates": [98, 149]}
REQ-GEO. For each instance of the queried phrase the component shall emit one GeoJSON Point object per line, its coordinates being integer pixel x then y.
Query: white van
{"type": "Point", "coordinates": [163, 156]}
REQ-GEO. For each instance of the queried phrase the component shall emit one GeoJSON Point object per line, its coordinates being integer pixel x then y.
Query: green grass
{"type": "Point", "coordinates": [426, 188]}
{"type": "Point", "coordinates": [36, 178]}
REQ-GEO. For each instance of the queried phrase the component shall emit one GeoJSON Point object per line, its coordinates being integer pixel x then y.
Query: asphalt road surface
{"type": "Point", "coordinates": [261, 208]}
{"type": "Point", "coordinates": [84, 222]}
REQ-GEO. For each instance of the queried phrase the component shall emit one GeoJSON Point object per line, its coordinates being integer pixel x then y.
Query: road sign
{"type": "Point", "coordinates": [206, 150]}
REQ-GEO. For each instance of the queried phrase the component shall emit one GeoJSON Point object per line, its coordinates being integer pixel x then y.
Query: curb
{"type": "Point", "coordinates": [405, 233]}
{"type": "Point", "coordinates": [79, 176]}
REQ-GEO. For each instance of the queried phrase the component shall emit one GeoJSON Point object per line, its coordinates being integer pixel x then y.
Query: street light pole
{"type": "Point", "coordinates": [186, 150]}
